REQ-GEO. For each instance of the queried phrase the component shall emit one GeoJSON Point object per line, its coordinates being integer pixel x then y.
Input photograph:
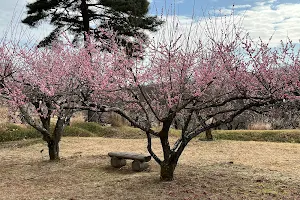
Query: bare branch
{"type": "Point", "coordinates": [230, 118]}
{"type": "Point", "coordinates": [149, 148]}
{"type": "Point", "coordinates": [33, 123]}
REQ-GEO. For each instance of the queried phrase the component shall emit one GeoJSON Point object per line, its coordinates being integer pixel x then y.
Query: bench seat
{"type": "Point", "coordinates": [132, 156]}
{"type": "Point", "coordinates": [118, 159]}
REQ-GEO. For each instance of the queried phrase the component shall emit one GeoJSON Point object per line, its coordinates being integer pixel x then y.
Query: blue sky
{"type": "Point", "coordinates": [186, 7]}
{"type": "Point", "coordinates": [261, 18]}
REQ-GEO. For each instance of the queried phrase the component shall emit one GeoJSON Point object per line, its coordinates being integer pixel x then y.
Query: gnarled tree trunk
{"type": "Point", "coordinates": [53, 148]}
{"type": "Point", "coordinates": [167, 170]}
{"type": "Point", "coordinates": [53, 141]}
{"type": "Point", "coordinates": [167, 167]}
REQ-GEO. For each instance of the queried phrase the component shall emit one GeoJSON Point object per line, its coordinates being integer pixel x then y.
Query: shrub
{"type": "Point", "coordinates": [12, 132]}
{"type": "Point", "coordinates": [92, 127]}
{"type": "Point", "coordinates": [73, 131]}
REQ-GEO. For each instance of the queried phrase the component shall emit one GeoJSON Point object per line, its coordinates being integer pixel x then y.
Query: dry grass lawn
{"type": "Point", "coordinates": [207, 170]}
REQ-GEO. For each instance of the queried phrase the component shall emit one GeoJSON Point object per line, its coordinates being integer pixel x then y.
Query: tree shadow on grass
{"type": "Point", "coordinates": [123, 170]}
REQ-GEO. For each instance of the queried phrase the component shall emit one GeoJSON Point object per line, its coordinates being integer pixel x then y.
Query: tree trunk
{"type": "Point", "coordinates": [167, 171]}
{"type": "Point", "coordinates": [208, 135]}
{"type": "Point", "coordinates": [85, 18]}
{"type": "Point", "coordinates": [53, 143]}
{"type": "Point", "coordinates": [53, 148]}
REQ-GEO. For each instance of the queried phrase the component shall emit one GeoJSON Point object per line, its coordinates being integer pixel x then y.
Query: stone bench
{"type": "Point", "coordinates": [140, 162]}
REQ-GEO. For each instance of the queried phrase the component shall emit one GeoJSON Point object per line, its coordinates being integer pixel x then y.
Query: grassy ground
{"type": "Point", "coordinates": [292, 136]}
{"type": "Point", "coordinates": [206, 170]}
{"type": "Point", "coordinates": [13, 132]}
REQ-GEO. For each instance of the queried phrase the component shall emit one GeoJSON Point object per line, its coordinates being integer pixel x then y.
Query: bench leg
{"type": "Point", "coordinates": [117, 162]}
{"type": "Point", "coordinates": [139, 166]}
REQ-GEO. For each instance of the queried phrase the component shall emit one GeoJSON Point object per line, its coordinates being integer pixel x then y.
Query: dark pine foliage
{"type": "Point", "coordinates": [80, 17]}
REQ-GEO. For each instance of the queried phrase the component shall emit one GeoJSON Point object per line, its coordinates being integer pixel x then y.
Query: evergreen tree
{"type": "Point", "coordinates": [80, 17]}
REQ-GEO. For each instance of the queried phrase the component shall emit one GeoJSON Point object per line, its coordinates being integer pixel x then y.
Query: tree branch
{"type": "Point", "coordinates": [149, 147]}
{"type": "Point", "coordinates": [32, 122]}
{"type": "Point", "coordinates": [230, 118]}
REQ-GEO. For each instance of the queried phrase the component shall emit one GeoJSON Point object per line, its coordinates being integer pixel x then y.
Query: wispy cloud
{"type": "Point", "coordinates": [263, 20]}
{"type": "Point", "coordinates": [242, 6]}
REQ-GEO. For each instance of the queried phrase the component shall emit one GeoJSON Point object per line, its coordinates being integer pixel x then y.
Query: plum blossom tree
{"type": "Point", "coordinates": [45, 85]}
{"type": "Point", "coordinates": [220, 76]}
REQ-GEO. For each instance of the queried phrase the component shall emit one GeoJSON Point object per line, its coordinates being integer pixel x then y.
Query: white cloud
{"type": "Point", "coordinates": [242, 6]}
{"type": "Point", "coordinates": [266, 19]}
{"type": "Point", "coordinates": [11, 14]}
{"type": "Point", "coordinates": [263, 20]}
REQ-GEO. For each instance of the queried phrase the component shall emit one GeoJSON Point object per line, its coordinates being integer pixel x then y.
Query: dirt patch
{"type": "Point", "coordinates": [207, 170]}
